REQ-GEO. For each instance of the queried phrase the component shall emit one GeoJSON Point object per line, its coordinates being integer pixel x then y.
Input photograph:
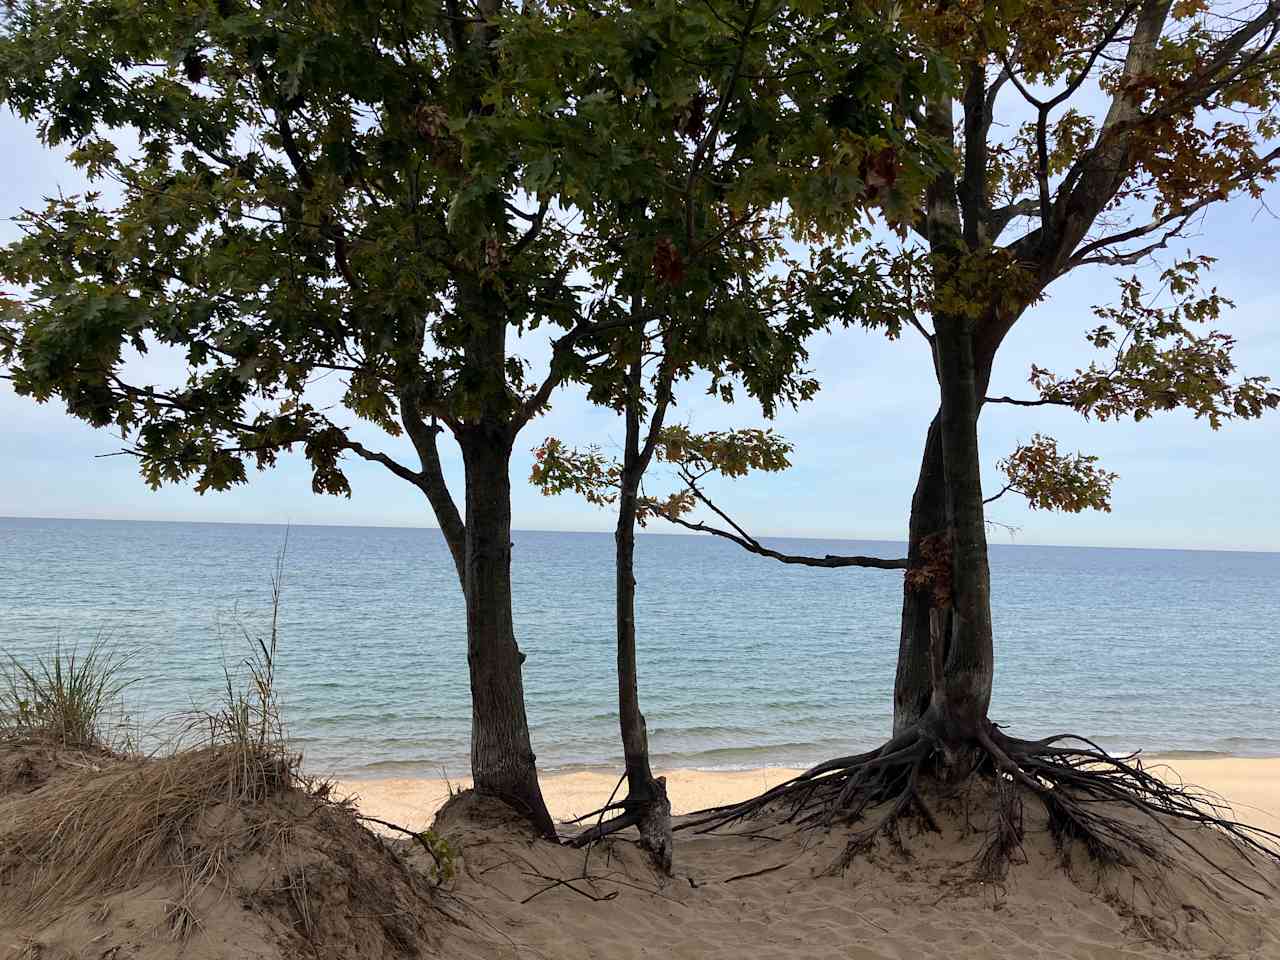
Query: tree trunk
{"type": "Point", "coordinates": [502, 759]}
{"type": "Point", "coordinates": [912, 686]}
{"type": "Point", "coordinates": [962, 687]}
{"type": "Point", "coordinates": [646, 795]}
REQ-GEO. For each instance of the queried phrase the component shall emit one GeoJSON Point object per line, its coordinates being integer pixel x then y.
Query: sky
{"type": "Point", "coordinates": [857, 445]}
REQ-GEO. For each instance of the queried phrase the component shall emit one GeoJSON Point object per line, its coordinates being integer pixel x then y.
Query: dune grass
{"type": "Point", "coordinates": [65, 697]}
{"type": "Point", "coordinates": [247, 719]}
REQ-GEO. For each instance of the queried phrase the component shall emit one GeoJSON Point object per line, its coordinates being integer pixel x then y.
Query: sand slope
{"type": "Point", "coordinates": [921, 901]}
{"type": "Point", "coordinates": [109, 858]}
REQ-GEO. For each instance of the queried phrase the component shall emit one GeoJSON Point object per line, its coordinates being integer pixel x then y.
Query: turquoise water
{"type": "Point", "coordinates": [744, 662]}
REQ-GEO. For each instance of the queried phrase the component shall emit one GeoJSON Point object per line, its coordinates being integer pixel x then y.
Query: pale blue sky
{"type": "Point", "coordinates": [858, 444]}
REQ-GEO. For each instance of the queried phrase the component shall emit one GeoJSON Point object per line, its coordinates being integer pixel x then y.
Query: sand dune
{"type": "Point", "coordinates": [184, 868]}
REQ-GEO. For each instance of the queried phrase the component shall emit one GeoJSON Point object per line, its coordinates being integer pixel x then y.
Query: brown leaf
{"type": "Point", "coordinates": [668, 264]}
{"type": "Point", "coordinates": [879, 171]}
{"type": "Point", "coordinates": [691, 120]}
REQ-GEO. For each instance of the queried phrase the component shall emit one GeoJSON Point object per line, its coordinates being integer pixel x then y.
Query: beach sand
{"type": "Point", "coordinates": [769, 893]}
{"type": "Point", "coordinates": [1251, 785]}
{"type": "Point", "coordinates": [290, 873]}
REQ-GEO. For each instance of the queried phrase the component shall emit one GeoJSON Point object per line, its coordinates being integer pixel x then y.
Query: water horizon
{"type": "Point", "coordinates": [286, 524]}
{"type": "Point", "coordinates": [744, 662]}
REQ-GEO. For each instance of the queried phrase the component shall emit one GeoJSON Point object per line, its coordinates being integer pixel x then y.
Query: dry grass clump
{"type": "Point", "coordinates": [64, 698]}
{"type": "Point", "coordinates": [99, 831]}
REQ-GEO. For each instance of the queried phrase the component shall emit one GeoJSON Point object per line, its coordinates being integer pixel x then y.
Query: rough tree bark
{"type": "Point", "coordinates": [962, 656]}
{"type": "Point", "coordinates": [502, 758]}
{"type": "Point", "coordinates": [912, 686]}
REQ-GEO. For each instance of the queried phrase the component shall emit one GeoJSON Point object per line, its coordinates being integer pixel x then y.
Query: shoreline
{"type": "Point", "coordinates": [1250, 784]}
{"type": "Point", "coordinates": [408, 770]}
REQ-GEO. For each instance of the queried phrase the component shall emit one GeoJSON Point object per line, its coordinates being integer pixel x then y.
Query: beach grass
{"type": "Point", "coordinates": [66, 697]}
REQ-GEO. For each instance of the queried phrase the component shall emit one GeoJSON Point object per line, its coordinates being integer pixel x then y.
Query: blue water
{"type": "Point", "coordinates": [743, 662]}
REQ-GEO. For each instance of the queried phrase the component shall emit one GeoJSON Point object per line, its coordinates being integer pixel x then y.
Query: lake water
{"type": "Point", "coordinates": [743, 662]}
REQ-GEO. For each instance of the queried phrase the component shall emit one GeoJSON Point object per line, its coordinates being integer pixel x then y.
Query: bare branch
{"type": "Point", "coordinates": [559, 353]}
{"type": "Point", "coordinates": [374, 456]}
{"type": "Point", "coordinates": [1001, 217]}
{"type": "Point", "coordinates": [752, 545]}
{"type": "Point", "coordinates": [996, 496]}
{"type": "Point", "coordinates": [1042, 402]}
{"type": "Point", "coordinates": [535, 228]}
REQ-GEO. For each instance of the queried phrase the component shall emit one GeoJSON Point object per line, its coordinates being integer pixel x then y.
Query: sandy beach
{"type": "Point", "coordinates": [1251, 785]}
{"type": "Point", "coordinates": [290, 873]}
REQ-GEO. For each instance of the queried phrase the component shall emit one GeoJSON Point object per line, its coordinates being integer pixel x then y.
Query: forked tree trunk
{"type": "Point", "coordinates": [962, 687]}
{"type": "Point", "coordinates": [502, 759]}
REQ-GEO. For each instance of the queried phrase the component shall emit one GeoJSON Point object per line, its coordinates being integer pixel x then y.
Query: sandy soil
{"type": "Point", "coordinates": [768, 893]}
{"type": "Point", "coordinates": [109, 859]}
{"type": "Point", "coordinates": [1251, 785]}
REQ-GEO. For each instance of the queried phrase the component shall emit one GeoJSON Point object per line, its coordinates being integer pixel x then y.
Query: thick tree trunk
{"type": "Point", "coordinates": [502, 759]}
{"type": "Point", "coordinates": [912, 689]}
{"type": "Point", "coordinates": [963, 640]}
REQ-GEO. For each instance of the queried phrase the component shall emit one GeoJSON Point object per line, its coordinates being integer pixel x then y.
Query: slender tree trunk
{"type": "Point", "coordinates": [912, 686]}
{"type": "Point", "coordinates": [646, 795]}
{"type": "Point", "coordinates": [502, 759]}
{"type": "Point", "coordinates": [962, 640]}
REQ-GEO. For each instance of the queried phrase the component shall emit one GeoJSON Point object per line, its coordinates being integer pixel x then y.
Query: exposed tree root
{"type": "Point", "coordinates": [1083, 789]}
{"type": "Point", "coordinates": [648, 810]}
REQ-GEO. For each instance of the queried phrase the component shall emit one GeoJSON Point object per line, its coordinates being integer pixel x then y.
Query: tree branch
{"type": "Point", "coordinates": [559, 351]}
{"type": "Point", "coordinates": [1001, 217]}
{"type": "Point", "coordinates": [713, 129]}
{"type": "Point", "coordinates": [1091, 252]}
{"type": "Point", "coordinates": [328, 226]}
{"type": "Point", "coordinates": [374, 456]}
{"type": "Point", "coordinates": [1042, 402]}
{"type": "Point", "coordinates": [432, 482]}
{"type": "Point", "coordinates": [996, 496]}
{"type": "Point", "coordinates": [534, 229]}
{"type": "Point", "coordinates": [752, 545]}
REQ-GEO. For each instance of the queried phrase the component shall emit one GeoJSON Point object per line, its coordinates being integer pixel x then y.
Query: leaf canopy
{"type": "Point", "coordinates": [417, 197]}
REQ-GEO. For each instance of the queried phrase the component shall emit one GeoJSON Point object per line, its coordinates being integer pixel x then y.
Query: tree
{"type": "Point", "coordinates": [1189, 96]}
{"type": "Point", "coordinates": [411, 196]}
{"type": "Point", "coordinates": [605, 481]}
{"type": "Point", "coordinates": [742, 321]}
